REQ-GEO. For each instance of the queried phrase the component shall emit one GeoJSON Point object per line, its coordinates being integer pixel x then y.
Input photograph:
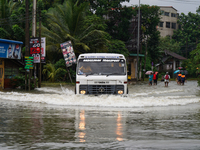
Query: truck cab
{"type": "Point", "coordinates": [101, 73]}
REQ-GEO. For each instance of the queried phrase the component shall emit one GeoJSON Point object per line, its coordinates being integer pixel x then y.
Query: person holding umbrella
{"type": "Point", "coordinates": [150, 78]}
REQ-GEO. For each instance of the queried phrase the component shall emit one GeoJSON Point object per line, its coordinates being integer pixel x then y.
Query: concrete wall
{"type": "Point", "coordinates": [164, 31]}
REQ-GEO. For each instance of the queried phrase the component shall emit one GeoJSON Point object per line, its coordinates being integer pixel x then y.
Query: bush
{"type": "Point", "coordinates": [19, 80]}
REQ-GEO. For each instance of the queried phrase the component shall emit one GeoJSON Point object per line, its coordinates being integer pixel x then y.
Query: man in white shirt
{"type": "Point", "coordinates": [167, 79]}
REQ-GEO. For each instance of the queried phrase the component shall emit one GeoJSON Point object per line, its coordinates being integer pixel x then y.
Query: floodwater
{"type": "Point", "coordinates": [148, 118]}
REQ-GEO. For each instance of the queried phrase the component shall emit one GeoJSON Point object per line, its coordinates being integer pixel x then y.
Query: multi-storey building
{"type": "Point", "coordinates": [168, 21]}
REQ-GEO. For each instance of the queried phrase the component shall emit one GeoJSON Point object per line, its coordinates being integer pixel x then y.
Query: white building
{"type": "Point", "coordinates": [168, 21]}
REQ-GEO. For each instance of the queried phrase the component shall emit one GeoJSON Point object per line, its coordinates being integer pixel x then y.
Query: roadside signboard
{"type": "Point", "coordinates": [43, 49]}
{"type": "Point", "coordinates": [68, 53]}
{"type": "Point", "coordinates": [10, 49]}
{"type": "Point", "coordinates": [35, 49]}
{"type": "Point", "coordinates": [28, 62]}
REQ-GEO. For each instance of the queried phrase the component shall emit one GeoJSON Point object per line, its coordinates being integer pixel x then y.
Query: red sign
{"type": "Point", "coordinates": [34, 50]}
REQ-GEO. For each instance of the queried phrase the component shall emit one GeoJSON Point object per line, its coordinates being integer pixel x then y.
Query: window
{"type": "Point", "coordinates": [162, 12]}
{"type": "Point", "coordinates": [173, 25]}
{"type": "Point", "coordinates": [167, 24]}
{"type": "Point", "coordinates": [166, 13]}
{"type": "Point", "coordinates": [173, 15]}
{"type": "Point", "coordinates": [161, 24]}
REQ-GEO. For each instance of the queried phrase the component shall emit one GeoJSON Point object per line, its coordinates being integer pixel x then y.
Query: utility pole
{"type": "Point", "coordinates": [40, 68]}
{"type": "Point", "coordinates": [138, 42]}
{"type": "Point", "coordinates": [27, 42]}
{"type": "Point", "coordinates": [34, 35]}
{"type": "Point", "coordinates": [34, 19]}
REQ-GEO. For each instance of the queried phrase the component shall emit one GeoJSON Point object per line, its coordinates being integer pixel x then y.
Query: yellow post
{"type": "Point", "coordinates": [1, 73]}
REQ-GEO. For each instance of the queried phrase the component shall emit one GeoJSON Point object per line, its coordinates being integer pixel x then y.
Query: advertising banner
{"type": "Point", "coordinates": [68, 53]}
{"type": "Point", "coordinates": [43, 49]}
{"type": "Point", "coordinates": [35, 49]}
{"type": "Point", "coordinates": [9, 50]}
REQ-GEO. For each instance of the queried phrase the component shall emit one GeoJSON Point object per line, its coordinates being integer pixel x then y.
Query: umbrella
{"type": "Point", "coordinates": [149, 72]}
{"type": "Point", "coordinates": [156, 73]}
{"type": "Point", "coordinates": [176, 71]}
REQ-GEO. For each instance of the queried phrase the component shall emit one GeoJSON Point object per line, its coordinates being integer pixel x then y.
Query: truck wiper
{"type": "Point", "coordinates": [88, 74]}
{"type": "Point", "coordinates": [115, 73]}
{"type": "Point", "coordinates": [91, 73]}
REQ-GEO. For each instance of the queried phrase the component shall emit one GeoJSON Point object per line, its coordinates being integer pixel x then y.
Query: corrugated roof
{"type": "Point", "coordinates": [174, 55]}
{"type": "Point", "coordinates": [167, 7]}
{"type": "Point", "coordinates": [10, 41]}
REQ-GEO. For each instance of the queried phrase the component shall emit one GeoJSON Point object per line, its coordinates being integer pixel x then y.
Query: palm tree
{"type": "Point", "coordinates": [65, 22]}
{"type": "Point", "coordinates": [52, 72]}
{"type": "Point", "coordinates": [6, 18]}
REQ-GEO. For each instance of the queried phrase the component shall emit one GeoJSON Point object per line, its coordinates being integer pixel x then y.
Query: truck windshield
{"type": "Point", "coordinates": [101, 67]}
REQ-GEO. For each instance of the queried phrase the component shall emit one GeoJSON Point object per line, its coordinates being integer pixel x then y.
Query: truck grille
{"type": "Point", "coordinates": [101, 89]}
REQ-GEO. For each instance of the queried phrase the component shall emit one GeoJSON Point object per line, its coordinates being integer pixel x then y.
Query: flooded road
{"type": "Point", "coordinates": [148, 118]}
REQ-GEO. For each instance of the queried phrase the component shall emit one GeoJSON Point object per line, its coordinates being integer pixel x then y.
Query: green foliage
{"type": "Point", "coordinates": [150, 19]}
{"type": "Point", "coordinates": [3, 33]}
{"type": "Point", "coordinates": [60, 64]}
{"type": "Point", "coordinates": [119, 16]}
{"type": "Point", "coordinates": [153, 50]}
{"type": "Point", "coordinates": [119, 22]}
{"type": "Point", "coordinates": [103, 7]}
{"type": "Point", "coordinates": [98, 22]}
{"type": "Point", "coordinates": [117, 46]}
{"type": "Point", "coordinates": [18, 33]}
{"type": "Point", "coordinates": [12, 20]}
{"type": "Point", "coordinates": [148, 63]}
{"type": "Point", "coordinates": [165, 43]}
{"type": "Point", "coordinates": [198, 10]}
{"type": "Point", "coordinates": [189, 33]}
{"type": "Point", "coordinates": [63, 75]}
{"type": "Point", "coordinates": [19, 80]}
{"type": "Point", "coordinates": [65, 22]}
{"type": "Point", "coordinates": [193, 64]}
{"type": "Point", "coordinates": [52, 74]}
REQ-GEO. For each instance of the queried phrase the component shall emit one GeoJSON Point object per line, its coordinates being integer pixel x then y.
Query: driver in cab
{"type": "Point", "coordinates": [85, 69]}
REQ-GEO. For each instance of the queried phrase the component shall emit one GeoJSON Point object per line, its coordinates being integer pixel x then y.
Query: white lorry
{"type": "Point", "coordinates": [101, 73]}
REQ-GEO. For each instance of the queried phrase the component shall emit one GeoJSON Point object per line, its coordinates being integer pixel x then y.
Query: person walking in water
{"type": "Point", "coordinates": [183, 78]}
{"type": "Point", "coordinates": [155, 78]}
{"type": "Point", "coordinates": [150, 78]}
{"type": "Point", "coordinates": [167, 79]}
{"type": "Point", "coordinates": [179, 78]}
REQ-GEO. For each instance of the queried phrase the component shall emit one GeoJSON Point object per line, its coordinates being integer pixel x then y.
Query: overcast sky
{"type": "Point", "coordinates": [182, 6]}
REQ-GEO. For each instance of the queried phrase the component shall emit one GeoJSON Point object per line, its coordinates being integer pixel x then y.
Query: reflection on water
{"type": "Point", "coordinates": [119, 128]}
{"type": "Point", "coordinates": [82, 126]}
{"type": "Point", "coordinates": [28, 127]}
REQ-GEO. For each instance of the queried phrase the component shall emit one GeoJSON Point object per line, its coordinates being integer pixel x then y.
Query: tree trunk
{"type": "Point", "coordinates": [145, 58]}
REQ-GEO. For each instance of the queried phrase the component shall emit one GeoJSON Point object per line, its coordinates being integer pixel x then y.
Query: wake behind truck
{"type": "Point", "coordinates": [101, 73]}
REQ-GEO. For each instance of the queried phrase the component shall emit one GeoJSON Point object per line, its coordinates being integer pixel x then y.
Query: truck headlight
{"type": "Point", "coordinates": [82, 91]}
{"type": "Point", "coordinates": [120, 92]}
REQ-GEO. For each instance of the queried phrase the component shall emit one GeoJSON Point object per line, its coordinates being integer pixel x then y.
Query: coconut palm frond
{"type": "Point", "coordinates": [66, 23]}
{"type": "Point", "coordinates": [83, 45]}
